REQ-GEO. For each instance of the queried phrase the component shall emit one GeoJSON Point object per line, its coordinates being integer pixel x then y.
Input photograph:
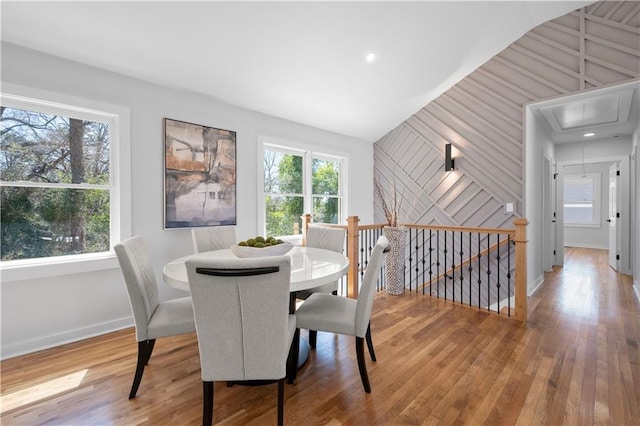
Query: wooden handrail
{"type": "Point", "coordinates": [463, 229]}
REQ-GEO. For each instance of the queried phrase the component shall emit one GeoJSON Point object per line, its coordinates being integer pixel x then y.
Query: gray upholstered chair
{"type": "Point", "coordinates": [336, 314]}
{"type": "Point", "coordinates": [213, 238]}
{"type": "Point", "coordinates": [328, 238]}
{"type": "Point", "coordinates": [244, 328]}
{"type": "Point", "coordinates": [152, 318]}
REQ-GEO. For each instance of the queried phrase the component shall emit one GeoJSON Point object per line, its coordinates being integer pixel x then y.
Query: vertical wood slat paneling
{"type": "Point", "coordinates": [482, 116]}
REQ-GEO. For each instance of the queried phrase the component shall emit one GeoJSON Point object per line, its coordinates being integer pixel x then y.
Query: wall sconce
{"type": "Point", "coordinates": [448, 159]}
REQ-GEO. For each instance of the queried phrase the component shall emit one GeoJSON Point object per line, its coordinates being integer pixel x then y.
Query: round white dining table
{"type": "Point", "coordinates": [310, 267]}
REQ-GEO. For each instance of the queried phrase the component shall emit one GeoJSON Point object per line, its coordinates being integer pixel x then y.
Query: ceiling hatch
{"type": "Point", "coordinates": [607, 109]}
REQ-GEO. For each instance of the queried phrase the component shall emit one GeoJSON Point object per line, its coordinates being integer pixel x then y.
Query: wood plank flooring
{"type": "Point", "coordinates": [576, 362]}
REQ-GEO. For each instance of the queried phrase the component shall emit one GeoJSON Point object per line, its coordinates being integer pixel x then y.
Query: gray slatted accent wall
{"type": "Point", "coordinates": [482, 116]}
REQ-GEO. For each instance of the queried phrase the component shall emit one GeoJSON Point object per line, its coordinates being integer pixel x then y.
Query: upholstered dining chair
{"type": "Point", "coordinates": [244, 328]}
{"type": "Point", "coordinates": [152, 318]}
{"type": "Point", "coordinates": [341, 315]}
{"type": "Point", "coordinates": [328, 238]}
{"type": "Point", "coordinates": [213, 238]}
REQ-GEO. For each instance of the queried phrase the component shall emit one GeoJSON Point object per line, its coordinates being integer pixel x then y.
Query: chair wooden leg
{"type": "Point", "coordinates": [313, 338]}
{"type": "Point", "coordinates": [207, 405]}
{"type": "Point", "coordinates": [150, 344]}
{"type": "Point", "coordinates": [280, 402]}
{"type": "Point", "coordinates": [370, 343]}
{"type": "Point", "coordinates": [292, 360]}
{"type": "Point", "coordinates": [292, 363]}
{"type": "Point", "coordinates": [362, 366]}
{"type": "Point", "coordinates": [143, 358]}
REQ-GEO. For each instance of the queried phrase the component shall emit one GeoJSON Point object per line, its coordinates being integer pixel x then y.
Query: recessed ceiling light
{"type": "Point", "coordinates": [588, 135]}
{"type": "Point", "coordinates": [371, 56]}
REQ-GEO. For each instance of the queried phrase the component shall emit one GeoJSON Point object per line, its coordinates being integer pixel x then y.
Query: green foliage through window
{"type": "Point", "coordinates": [54, 175]}
{"type": "Point", "coordinates": [285, 194]}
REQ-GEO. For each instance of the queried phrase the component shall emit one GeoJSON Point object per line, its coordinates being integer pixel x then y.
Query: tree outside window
{"type": "Point", "coordinates": [298, 182]}
{"type": "Point", "coordinates": [54, 185]}
{"type": "Point", "coordinates": [326, 190]}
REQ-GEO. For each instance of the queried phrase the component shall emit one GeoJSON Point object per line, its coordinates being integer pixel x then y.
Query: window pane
{"type": "Point", "coordinates": [578, 213]}
{"type": "Point", "coordinates": [282, 173]}
{"type": "Point", "coordinates": [579, 199]}
{"type": "Point", "coordinates": [43, 222]}
{"type": "Point", "coordinates": [40, 147]}
{"type": "Point", "coordinates": [282, 215]}
{"type": "Point", "coordinates": [578, 188]}
{"type": "Point", "coordinates": [326, 209]}
{"type": "Point", "coordinates": [325, 177]}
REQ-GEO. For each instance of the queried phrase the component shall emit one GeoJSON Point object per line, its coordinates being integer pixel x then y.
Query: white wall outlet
{"type": "Point", "coordinates": [509, 207]}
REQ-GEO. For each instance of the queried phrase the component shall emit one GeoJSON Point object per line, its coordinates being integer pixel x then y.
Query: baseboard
{"type": "Point", "coordinates": [537, 283]}
{"type": "Point", "coordinates": [46, 342]}
{"type": "Point", "coordinates": [585, 245]}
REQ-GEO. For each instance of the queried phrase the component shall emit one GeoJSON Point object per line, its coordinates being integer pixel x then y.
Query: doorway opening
{"type": "Point", "coordinates": [579, 129]}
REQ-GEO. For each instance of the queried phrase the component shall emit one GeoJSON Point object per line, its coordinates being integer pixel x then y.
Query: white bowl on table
{"type": "Point", "coordinates": [248, 251]}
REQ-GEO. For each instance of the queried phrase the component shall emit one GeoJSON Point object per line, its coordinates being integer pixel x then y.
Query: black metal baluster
{"type": "Point", "coordinates": [470, 268]}
{"type": "Point", "coordinates": [509, 274]}
{"type": "Point", "coordinates": [361, 256]}
{"type": "Point", "coordinates": [479, 271]}
{"type": "Point", "coordinates": [423, 260]}
{"type": "Point", "coordinates": [417, 260]}
{"type": "Point", "coordinates": [488, 272]}
{"type": "Point", "coordinates": [445, 251]}
{"type": "Point", "coordinates": [438, 260]}
{"type": "Point", "coordinates": [498, 272]}
{"type": "Point", "coordinates": [461, 266]}
{"type": "Point", "coordinates": [410, 258]}
{"type": "Point", "coordinates": [367, 254]}
{"type": "Point", "coordinates": [453, 266]}
{"type": "Point", "coordinates": [430, 262]}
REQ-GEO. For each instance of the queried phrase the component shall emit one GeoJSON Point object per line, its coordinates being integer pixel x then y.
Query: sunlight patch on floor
{"type": "Point", "coordinates": [41, 391]}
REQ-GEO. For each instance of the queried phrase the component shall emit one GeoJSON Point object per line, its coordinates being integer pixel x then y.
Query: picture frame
{"type": "Point", "coordinates": [199, 175]}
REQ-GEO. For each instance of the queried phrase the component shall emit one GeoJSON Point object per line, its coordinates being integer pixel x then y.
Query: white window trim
{"type": "Point", "coordinates": [119, 118]}
{"type": "Point", "coordinates": [303, 149]}
{"type": "Point", "coordinates": [597, 200]}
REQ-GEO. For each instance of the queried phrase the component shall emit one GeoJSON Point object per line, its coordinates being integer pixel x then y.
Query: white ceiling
{"type": "Point", "coordinates": [302, 61]}
{"type": "Point", "coordinates": [609, 113]}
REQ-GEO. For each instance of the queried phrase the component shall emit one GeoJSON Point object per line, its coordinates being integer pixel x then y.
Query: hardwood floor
{"type": "Point", "coordinates": [576, 362]}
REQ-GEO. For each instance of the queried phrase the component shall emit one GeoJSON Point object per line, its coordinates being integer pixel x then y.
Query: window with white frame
{"type": "Point", "coordinates": [60, 197]}
{"type": "Point", "coordinates": [582, 199]}
{"type": "Point", "coordinates": [298, 182]}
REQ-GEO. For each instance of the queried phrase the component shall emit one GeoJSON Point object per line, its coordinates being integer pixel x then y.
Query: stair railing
{"type": "Point", "coordinates": [484, 268]}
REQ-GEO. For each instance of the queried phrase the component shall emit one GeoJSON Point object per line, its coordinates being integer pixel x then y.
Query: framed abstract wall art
{"type": "Point", "coordinates": [199, 175]}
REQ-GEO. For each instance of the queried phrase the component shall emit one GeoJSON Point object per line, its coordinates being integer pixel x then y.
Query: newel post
{"type": "Point", "coordinates": [352, 253]}
{"type": "Point", "coordinates": [521, 268]}
{"type": "Point", "coordinates": [306, 220]}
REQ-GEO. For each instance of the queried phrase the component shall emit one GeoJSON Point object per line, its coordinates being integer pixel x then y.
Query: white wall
{"type": "Point", "coordinates": [591, 237]}
{"type": "Point", "coordinates": [593, 150]}
{"type": "Point", "coordinates": [635, 202]}
{"type": "Point", "coordinates": [41, 313]}
{"type": "Point", "coordinates": [538, 145]}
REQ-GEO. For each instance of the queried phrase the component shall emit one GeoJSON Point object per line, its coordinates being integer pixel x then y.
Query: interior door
{"type": "Point", "coordinates": [613, 219]}
{"type": "Point", "coordinates": [548, 230]}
